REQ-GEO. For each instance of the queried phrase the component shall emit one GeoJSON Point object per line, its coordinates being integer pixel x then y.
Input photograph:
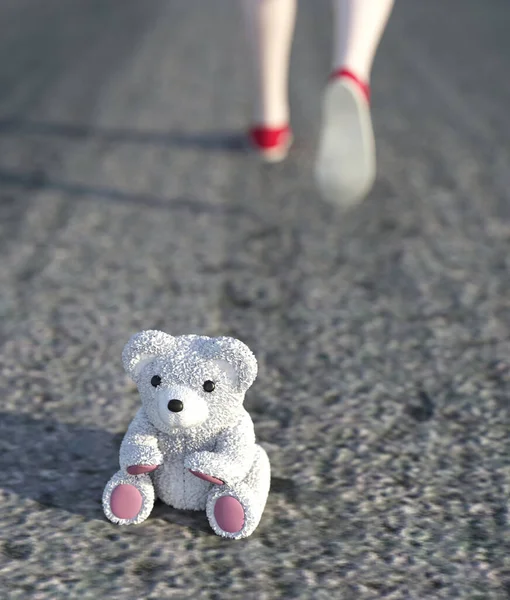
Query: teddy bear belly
{"type": "Point", "coordinates": [176, 486]}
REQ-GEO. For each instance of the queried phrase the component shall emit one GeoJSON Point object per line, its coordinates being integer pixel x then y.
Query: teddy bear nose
{"type": "Point", "coordinates": [175, 405]}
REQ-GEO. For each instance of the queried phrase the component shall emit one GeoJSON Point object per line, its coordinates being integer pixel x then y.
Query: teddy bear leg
{"type": "Point", "coordinates": [128, 499]}
{"type": "Point", "coordinates": [235, 511]}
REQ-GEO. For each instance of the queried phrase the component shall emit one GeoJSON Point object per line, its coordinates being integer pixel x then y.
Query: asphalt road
{"type": "Point", "coordinates": [383, 335]}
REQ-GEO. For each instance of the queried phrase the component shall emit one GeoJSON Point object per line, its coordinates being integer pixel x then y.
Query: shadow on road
{"type": "Point", "coordinates": [224, 141]}
{"type": "Point", "coordinates": [59, 465]}
{"type": "Point", "coordinates": [38, 180]}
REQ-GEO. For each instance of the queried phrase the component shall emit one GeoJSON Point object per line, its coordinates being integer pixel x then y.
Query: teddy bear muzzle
{"type": "Point", "coordinates": [178, 407]}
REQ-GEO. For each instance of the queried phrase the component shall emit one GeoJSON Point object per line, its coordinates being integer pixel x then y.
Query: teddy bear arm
{"type": "Point", "coordinates": [139, 451]}
{"type": "Point", "coordinates": [237, 446]}
{"type": "Point", "coordinates": [232, 457]}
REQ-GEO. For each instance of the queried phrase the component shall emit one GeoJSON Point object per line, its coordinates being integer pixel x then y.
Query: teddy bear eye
{"type": "Point", "coordinates": [209, 385]}
{"type": "Point", "coordinates": [155, 381]}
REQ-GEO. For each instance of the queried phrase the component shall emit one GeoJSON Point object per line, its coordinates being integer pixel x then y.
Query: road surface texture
{"type": "Point", "coordinates": [383, 335]}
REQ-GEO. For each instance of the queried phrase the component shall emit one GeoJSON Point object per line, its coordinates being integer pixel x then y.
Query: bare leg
{"type": "Point", "coordinates": [270, 29]}
{"type": "Point", "coordinates": [345, 167]}
{"type": "Point", "coordinates": [359, 25]}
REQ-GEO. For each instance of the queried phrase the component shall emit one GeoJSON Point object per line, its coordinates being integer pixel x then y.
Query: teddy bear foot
{"type": "Point", "coordinates": [234, 511]}
{"type": "Point", "coordinates": [233, 514]}
{"type": "Point", "coordinates": [128, 499]}
{"type": "Point", "coordinates": [229, 514]}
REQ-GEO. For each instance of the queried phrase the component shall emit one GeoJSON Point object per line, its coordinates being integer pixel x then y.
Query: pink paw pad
{"type": "Point", "coordinates": [126, 501]}
{"type": "Point", "coordinates": [140, 469]}
{"type": "Point", "coordinates": [229, 514]}
{"type": "Point", "coordinates": [208, 478]}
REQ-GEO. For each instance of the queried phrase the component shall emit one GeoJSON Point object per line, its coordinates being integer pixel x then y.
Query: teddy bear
{"type": "Point", "coordinates": [192, 443]}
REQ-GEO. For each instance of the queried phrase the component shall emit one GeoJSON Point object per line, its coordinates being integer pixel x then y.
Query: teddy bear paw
{"type": "Point", "coordinates": [141, 469]}
{"type": "Point", "coordinates": [208, 478]}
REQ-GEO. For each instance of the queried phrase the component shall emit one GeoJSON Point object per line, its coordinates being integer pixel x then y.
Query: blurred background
{"type": "Point", "coordinates": [128, 201]}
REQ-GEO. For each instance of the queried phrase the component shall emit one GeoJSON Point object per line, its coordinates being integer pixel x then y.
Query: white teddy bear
{"type": "Point", "coordinates": [192, 443]}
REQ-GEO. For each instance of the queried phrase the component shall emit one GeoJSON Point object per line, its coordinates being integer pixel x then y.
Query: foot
{"type": "Point", "coordinates": [229, 514]}
{"type": "Point", "coordinates": [272, 143]}
{"type": "Point", "coordinates": [128, 499]}
{"type": "Point", "coordinates": [126, 502]}
{"type": "Point", "coordinates": [234, 514]}
{"type": "Point", "coordinates": [345, 164]}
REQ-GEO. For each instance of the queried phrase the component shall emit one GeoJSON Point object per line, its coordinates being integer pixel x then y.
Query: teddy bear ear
{"type": "Point", "coordinates": [142, 348]}
{"type": "Point", "coordinates": [239, 358]}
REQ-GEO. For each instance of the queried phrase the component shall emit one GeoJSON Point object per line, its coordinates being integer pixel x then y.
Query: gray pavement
{"type": "Point", "coordinates": [126, 202]}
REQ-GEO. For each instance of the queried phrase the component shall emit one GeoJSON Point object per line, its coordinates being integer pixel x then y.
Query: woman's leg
{"type": "Point", "coordinates": [270, 29]}
{"type": "Point", "coordinates": [345, 167]}
{"type": "Point", "coordinates": [359, 25]}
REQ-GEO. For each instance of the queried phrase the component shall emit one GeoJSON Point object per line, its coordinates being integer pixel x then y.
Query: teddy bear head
{"type": "Point", "coordinates": [190, 380]}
